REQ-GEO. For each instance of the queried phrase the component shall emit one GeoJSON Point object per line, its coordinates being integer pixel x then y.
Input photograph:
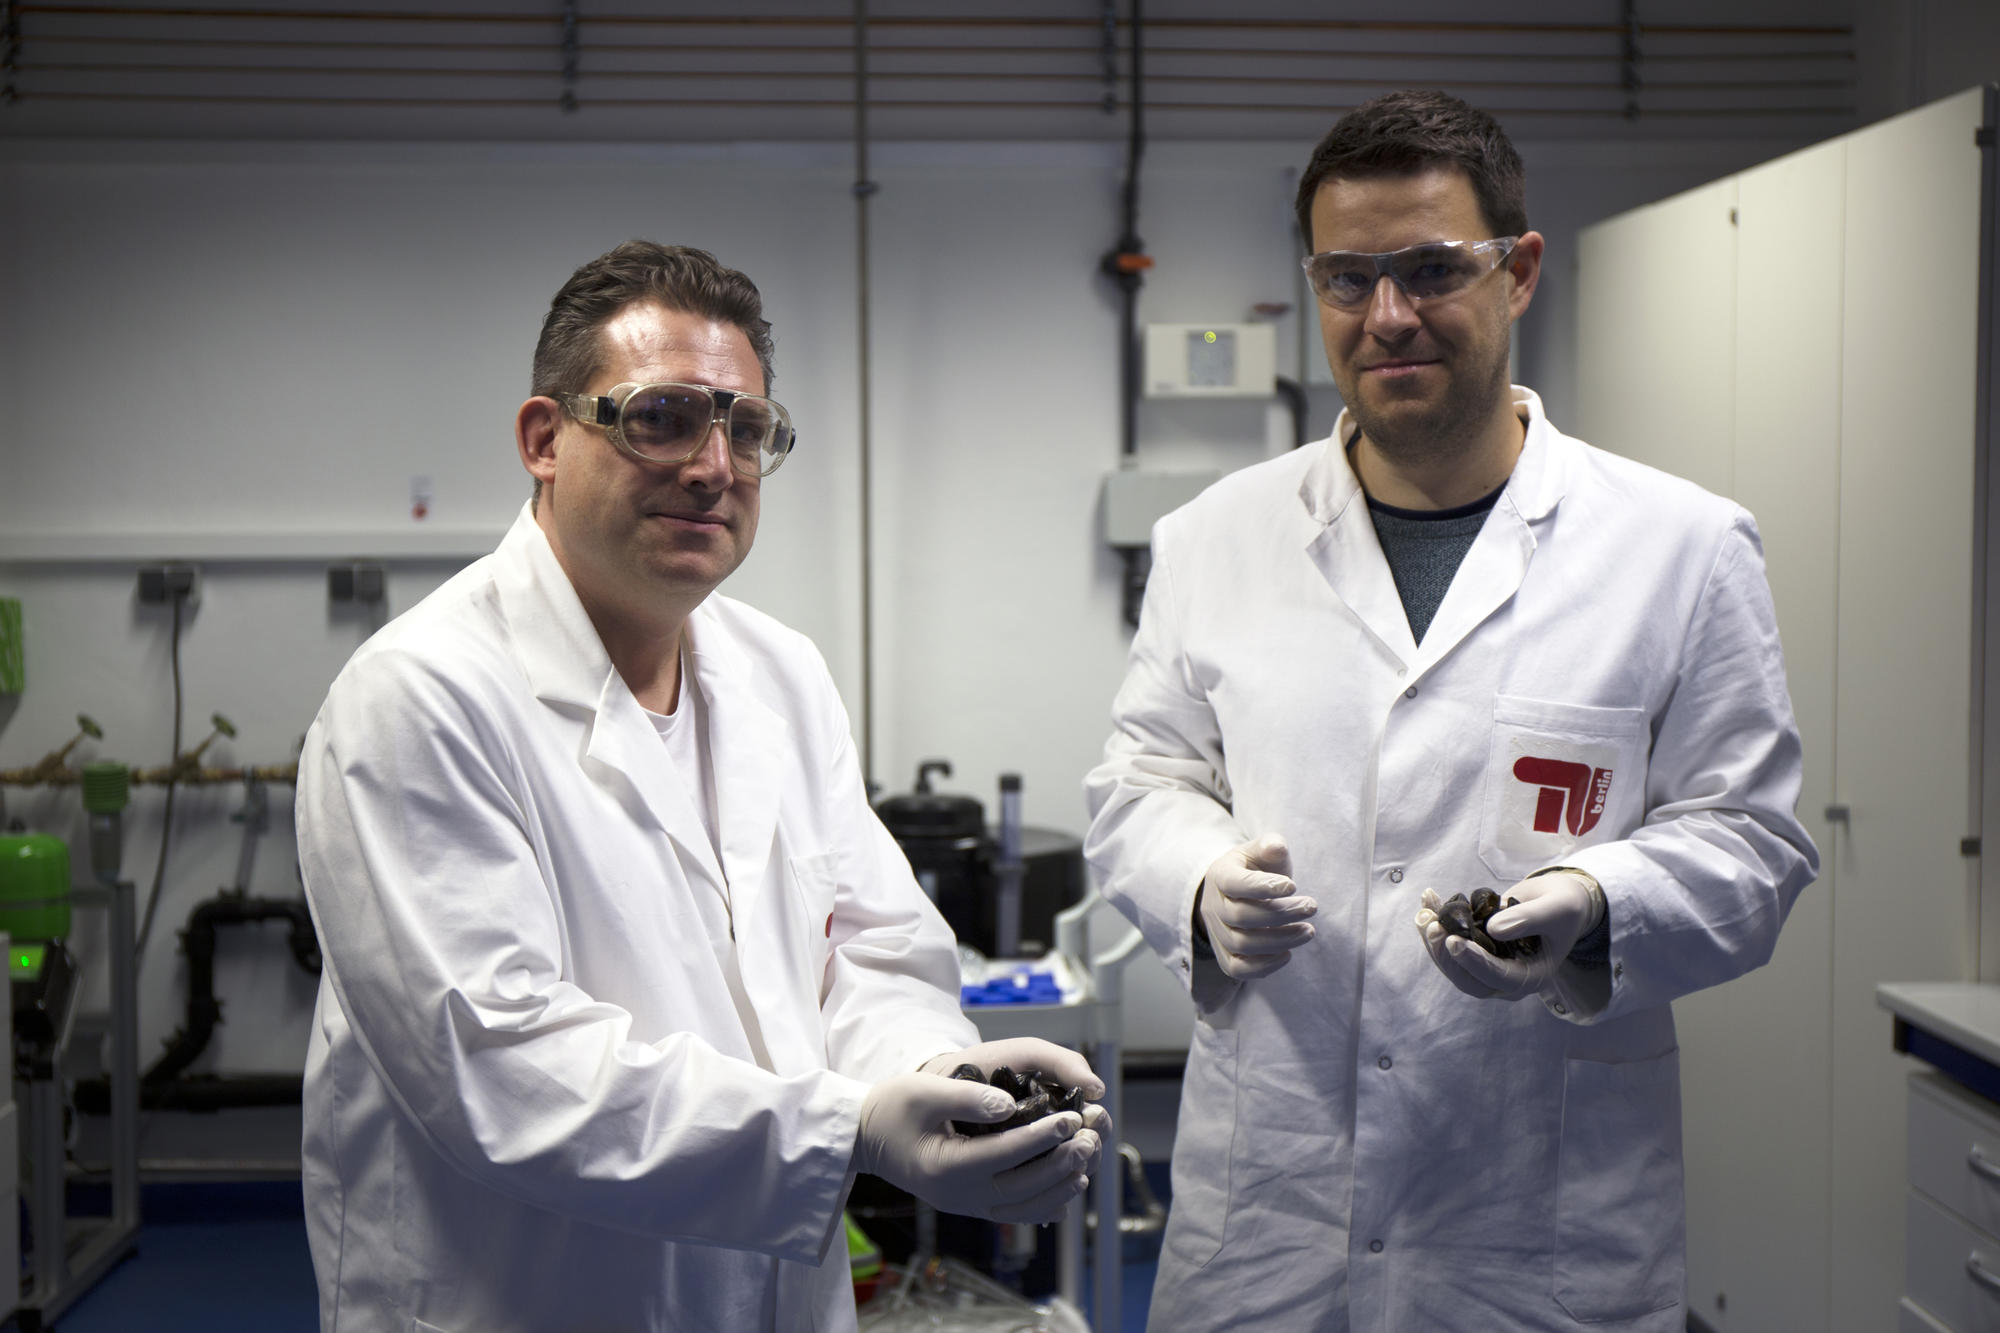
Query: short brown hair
{"type": "Point", "coordinates": [1403, 133]}
{"type": "Point", "coordinates": [676, 276]}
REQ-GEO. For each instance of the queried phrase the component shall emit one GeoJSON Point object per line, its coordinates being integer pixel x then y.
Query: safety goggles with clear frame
{"type": "Point", "coordinates": [1346, 279]}
{"type": "Point", "coordinates": [666, 422]}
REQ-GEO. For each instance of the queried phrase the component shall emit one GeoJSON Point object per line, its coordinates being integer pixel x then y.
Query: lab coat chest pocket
{"type": "Point", "coordinates": [1619, 1211]}
{"type": "Point", "coordinates": [1558, 776]}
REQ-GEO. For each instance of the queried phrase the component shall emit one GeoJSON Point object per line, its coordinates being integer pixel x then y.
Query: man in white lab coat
{"type": "Point", "coordinates": [624, 981]}
{"type": "Point", "coordinates": [1447, 648]}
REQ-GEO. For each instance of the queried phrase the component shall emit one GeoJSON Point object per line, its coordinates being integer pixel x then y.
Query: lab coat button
{"type": "Point", "coordinates": [1374, 1247]}
{"type": "Point", "coordinates": [1410, 693]}
{"type": "Point", "coordinates": [1385, 1062]}
{"type": "Point", "coordinates": [1396, 876]}
{"type": "Point", "coordinates": [1559, 1008]}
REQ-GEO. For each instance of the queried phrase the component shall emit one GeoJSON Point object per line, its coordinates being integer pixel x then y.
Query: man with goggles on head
{"type": "Point", "coordinates": [624, 980]}
{"type": "Point", "coordinates": [1447, 649]}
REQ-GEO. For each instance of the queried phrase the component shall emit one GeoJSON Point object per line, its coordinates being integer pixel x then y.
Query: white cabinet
{"type": "Point", "coordinates": [1951, 1242]}
{"type": "Point", "coordinates": [1757, 336]}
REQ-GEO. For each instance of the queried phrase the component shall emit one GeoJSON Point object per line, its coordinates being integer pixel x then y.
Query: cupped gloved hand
{"type": "Point", "coordinates": [1032, 1055]}
{"type": "Point", "coordinates": [906, 1138]}
{"type": "Point", "coordinates": [1023, 1055]}
{"type": "Point", "coordinates": [1255, 916]}
{"type": "Point", "coordinates": [1561, 908]}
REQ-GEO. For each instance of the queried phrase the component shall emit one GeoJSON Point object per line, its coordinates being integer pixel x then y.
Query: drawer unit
{"type": "Point", "coordinates": [1951, 1269]}
{"type": "Point", "coordinates": [1911, 1318]}
{"type": "Point", "coordinates": [1955, 1149]}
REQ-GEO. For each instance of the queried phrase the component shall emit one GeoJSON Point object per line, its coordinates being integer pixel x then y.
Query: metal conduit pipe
{"type": "Point", "coordinates": [864, 188]}
{"type": "Point", "coordinates": [718, 21]}
{"type": "Point", "coordinates": [695, 47]}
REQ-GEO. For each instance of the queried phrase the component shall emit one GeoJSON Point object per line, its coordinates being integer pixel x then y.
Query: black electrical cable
{"type": "Point", "coordinates": [1136, 145]}
{"type": "Point", "coordinates": [1294, 394]}
{"type": "Point", "coordinates": [1126, 265]}
{"type": "Point", "coordinates": [167, 815]}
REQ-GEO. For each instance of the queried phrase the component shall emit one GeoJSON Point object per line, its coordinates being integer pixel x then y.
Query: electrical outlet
{"type": "Point", "coordinates": [360, 581]}
{"type": "Point", "coordinates": [160, 584]}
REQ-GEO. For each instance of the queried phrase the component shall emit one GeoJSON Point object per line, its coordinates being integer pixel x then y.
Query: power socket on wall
{"type": "Point", "coordinates": [362, 581]}
{"type": "Point", "coordinates": [160, 584]}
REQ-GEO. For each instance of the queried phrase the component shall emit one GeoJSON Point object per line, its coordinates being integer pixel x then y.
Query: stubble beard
{"type": "Point", "coordinates": [1449, 431]}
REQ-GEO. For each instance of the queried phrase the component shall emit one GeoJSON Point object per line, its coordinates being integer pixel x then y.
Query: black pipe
{"type": "Point", "coordinates": [199, 1092]}
{"type": "Point", "coordinates": [1126, 265]}
{"type": "Point", "coordinates": [204, 1011]}
{"type": "Point", "coordinates": [1294, 394]}
{"type": "Point", "coordinates": [162, 1086]}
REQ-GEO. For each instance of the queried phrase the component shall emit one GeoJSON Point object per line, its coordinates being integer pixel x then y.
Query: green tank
{"type": "Point", "coordinates": [34, 887]}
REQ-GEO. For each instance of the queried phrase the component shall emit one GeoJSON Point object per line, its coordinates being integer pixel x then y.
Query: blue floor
{"type": "Point", "coordinates": [232, 1259]}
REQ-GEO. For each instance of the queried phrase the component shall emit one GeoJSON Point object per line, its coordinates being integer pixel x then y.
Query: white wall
{"type": "Point", "coordinates": [256, 346]}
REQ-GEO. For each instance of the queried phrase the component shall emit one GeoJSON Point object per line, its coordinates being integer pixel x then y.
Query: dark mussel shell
{"type": "Point", "coordinates": [1035, 1096]}
{"type": "Point", "coordinates": [1455, 915]}
{"type": "Point", "coordinates": [1467, 919]}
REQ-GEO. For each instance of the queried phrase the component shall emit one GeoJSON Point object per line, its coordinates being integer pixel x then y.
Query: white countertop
{"type": "Point", "coordinates": [1966, 1014]}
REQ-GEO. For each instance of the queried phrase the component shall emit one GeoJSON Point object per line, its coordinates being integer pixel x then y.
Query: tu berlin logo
{"type": "Point", "coordinates": [1572, 795]}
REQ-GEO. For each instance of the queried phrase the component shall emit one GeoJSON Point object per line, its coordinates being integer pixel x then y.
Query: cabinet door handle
{"type": "Point", "coordinates": [1981, 1274]}
{"type": "Point", "coordinates": [1983, 1166]}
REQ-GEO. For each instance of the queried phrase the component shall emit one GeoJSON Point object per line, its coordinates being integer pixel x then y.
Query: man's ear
{"type": "Point", "coordinates": [535, 428]}
{"type": "Point", "coordinates": [1524, 265]}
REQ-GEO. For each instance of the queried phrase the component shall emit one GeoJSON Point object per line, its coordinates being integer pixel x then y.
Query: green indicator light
{"type": "Point", "coordinates": [1208, 337]}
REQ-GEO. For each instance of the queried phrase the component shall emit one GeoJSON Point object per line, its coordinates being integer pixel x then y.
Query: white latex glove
{"type": "Point", "coordinates": [907, 1139]}
{"type": "Point", "coordinates": [1561, 908]}
{"type": "Point", "coordinates": [1032, 1055]}
{"type": "Point", "coordinates": [1255, 915]}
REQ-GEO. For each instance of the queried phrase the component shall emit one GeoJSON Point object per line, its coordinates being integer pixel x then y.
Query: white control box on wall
{"type": "Point", "coordinates": [1211, 360]}
{"type": "Point", "coordinates": [1136, 498]}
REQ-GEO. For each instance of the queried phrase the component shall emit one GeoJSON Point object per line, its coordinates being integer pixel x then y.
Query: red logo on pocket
{"type": "Point", "coordinates": [1572, 794]}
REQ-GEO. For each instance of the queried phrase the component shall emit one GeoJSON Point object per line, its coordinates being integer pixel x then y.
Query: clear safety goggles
{"type": "Point", "coordinates": [1346, 279]}
{"type": "Point", "coordinates": [668, 423]}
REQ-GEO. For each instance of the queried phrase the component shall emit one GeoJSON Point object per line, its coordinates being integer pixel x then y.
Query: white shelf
{"type": "Point", "coordinates": [421, 543]}
{"type": "Point", "coordinates": [1965, 1014]}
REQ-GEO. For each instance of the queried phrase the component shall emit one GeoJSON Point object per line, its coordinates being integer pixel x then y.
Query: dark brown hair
{"type": "Point", "coordinates": [676, 276]}
{"type": "Point", "coordinates": [1403, 133]}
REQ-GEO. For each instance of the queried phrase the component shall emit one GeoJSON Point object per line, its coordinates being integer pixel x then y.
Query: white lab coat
{"type": "Point", "coordinates": [1360, 1144]}
{"type": "Point", "coordinates": [531, 1103]}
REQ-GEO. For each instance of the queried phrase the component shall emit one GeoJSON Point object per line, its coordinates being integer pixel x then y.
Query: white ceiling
{"type": "Point", "coordinates": [710, 70]}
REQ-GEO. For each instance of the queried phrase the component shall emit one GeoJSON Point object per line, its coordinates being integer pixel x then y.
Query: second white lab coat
{"type": "Point", "coordinates": [1360, 1144]}
{"type": "Point", "coordinates": [531, 1101]}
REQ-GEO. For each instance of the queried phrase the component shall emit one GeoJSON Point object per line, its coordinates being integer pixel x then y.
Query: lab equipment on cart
{"type": "Point", "coordinates": [1073, 996]}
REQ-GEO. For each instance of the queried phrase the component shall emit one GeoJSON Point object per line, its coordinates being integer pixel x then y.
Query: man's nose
{"type": "Point", "coordinates": [1390, 311]}
{"type": "Point", "coordinates": [709, 468]}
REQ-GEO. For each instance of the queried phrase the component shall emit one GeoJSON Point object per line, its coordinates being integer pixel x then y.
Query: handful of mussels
{"type": "Point", "coordinates": [1035, 1096]}
{"type": "Point", "coordinates": [1466, 918]}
